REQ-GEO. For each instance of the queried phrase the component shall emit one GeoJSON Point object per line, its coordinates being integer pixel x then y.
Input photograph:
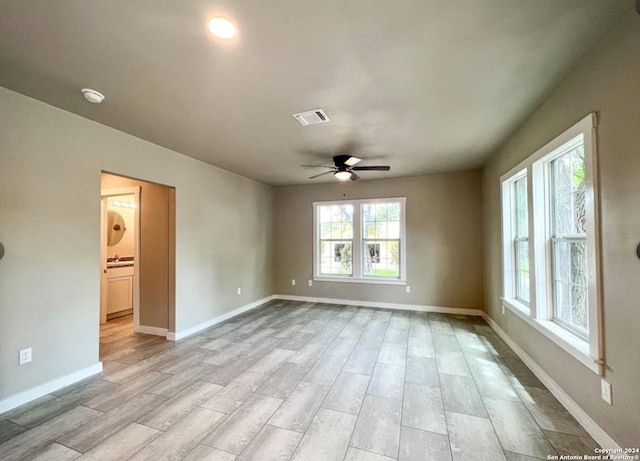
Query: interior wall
{"type": "Point", "coordinates": [50, 274]}
{"type": "Point", "coordinates": [155, 263]}
{"type": "Point", "coordinates": [443, 232]}
{"type": "Point", "coordinates": [605, 82]}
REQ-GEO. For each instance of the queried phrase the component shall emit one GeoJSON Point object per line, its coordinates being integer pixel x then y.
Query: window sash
{"type": "Point", "coordinates": [332, 259]}
{"type": "Point", "coordinates": [366, 257]}
{"type": "Point", "coordinates": [567, 289]}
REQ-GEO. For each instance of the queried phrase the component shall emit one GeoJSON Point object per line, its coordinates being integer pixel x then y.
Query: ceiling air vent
{"type": "Point", "coordinates": [311, 117]}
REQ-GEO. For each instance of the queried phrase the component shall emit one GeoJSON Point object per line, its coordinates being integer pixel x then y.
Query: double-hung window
{"type": "Point", "coordinates": [360, 240]}
{"type": "Point", "coordinates": [516, 240]}
{"type": "Point", "coordinates": [551, 242]}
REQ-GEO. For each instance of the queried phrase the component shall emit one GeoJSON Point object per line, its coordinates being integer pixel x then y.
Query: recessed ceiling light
{"type": "Point", "coordinates": [222, 28]}
{"type": "Point", "coordinates": [92, 95]}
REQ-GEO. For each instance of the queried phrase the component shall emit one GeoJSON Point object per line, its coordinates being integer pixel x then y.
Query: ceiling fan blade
{"type": "Point", "coordinates": [354, 177]}
{"type": "Point", "coordinates": [372, 168]}
{"type": "Point", "coordinates": [318, 166]}
{"type": "Point", "coordinates": [321, 174]}
{"type": "Point", "coordinates": [351, 161]}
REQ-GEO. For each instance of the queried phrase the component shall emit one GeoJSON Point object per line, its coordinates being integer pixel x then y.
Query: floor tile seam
{"type": "Point", "coordinates": [323, 402]}
{"type": "Point", "coordinates": [237, 457]}
{"type": "Point", "coordinates": [375, 452]}
{"type": "Point", "coordinates": [55, 414]}
{"type": "Point", "coordinates": [157, 435]}
{"type": "Point", "coordinates": [26, 428]}
{"type": "Point", "coordinates": [353, 429]}
{"type": "Point", "coordinates": [346, 360]}
{"type": "Point", "coordinates": [229, 416]}
{"type": "Point", "coordinates": [404, 393]}
{"type": "Point", "coordinates": [424, 430]}
{"type": "Point", "coordinates": [529, 412]}
{"type": "Point", "coordinates": [482, 398]}
{"type": "Point", "coordinates": [446, 419]}
{"type": "Point", "coordinates": [330, 389]}
{"type": "Point", "coordinates": [80, 453]}
{"type": "Point", "coordinates": [92, 421]}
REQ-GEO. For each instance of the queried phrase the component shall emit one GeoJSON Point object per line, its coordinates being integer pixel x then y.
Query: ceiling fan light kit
{"type": "Point", "coordinates": [342, 175]}
{"type": "Point", "coordinates": [344, 168]}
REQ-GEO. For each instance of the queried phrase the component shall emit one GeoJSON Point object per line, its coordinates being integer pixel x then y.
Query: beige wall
{"type": "Point", "coordinates": [50, 274]}
{"type": "Point", "coordinates": [444, 243]}
{"type": "Point", "coordinates": [607, 82]}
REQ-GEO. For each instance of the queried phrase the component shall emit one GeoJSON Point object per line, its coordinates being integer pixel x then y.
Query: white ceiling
{"type": "Point", "coordinates": [425, 86]}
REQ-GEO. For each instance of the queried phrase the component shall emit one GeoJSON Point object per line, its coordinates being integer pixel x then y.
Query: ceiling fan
{"type": "Point", "coordinates": [344, 168]}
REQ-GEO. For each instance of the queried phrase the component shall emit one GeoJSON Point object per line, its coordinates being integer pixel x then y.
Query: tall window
{"type": "Point", "coordinates": [569, 240]}
{"type": "Point", "coordinates": [360, 240]}
{"type": "Point", "coordinates": [381, 239]}
{"type": "Point", "coordinates": [336, 239]}
{"type": "Point", "coordinates": [521, 240]}
{"type": "Point", "coordinates": [517, 280]}
{"type": "Point", "coordinates": [551, 243]}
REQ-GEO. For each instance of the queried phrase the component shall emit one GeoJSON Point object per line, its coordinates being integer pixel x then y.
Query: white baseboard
{"type": "Point", "coordinates": [39, 391]}
{"type": "Point", "coordinates": [598, 434]}
{"type": "Point", "coordinates": [221, 318]}
{"type": "Point", "coordinates": [150, 330]}
{"type": "Point", "coordinates": [406, 307]}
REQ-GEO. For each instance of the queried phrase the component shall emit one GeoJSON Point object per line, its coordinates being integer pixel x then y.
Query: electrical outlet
{"type": "Point", "coordinates": [310, 283]}
{"type": "Point", "coordinates": [239, 291]}
{"type": "Point", "coordinates": [25, 356]}
{"type": "Point", "coordinates": [407, 289]}
{"type": "Point", "coordinates": [605, 387]}
{"type": "Point", "coordinates": [293, 282]}
{"type": "Point", "coordinates": [503, 309]}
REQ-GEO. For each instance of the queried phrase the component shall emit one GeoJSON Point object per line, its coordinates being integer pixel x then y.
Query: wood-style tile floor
{"type": "Point", "coordinates": [302, 382]}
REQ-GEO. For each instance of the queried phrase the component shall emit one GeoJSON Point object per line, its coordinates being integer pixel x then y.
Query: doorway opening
{"type": "Point", "coordinates": [137, 291]}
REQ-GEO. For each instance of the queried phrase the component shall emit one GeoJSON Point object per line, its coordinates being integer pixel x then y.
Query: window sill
{"type": "Point", "coordinates": [354, 280]}
{"type": "Point", "coordinates": [572, 344]}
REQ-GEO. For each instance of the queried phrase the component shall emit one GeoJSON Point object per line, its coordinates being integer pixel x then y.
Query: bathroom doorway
{"type": "Point", "coordinates": [137, 305]}
{"type": "Point", "coordinates": [120, 281]}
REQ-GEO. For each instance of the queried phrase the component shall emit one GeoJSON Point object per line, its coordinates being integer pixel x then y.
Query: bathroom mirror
{"type": "Point", "coordinates": [115, 228]}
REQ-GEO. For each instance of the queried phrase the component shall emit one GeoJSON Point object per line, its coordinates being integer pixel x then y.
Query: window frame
{"type": "Point", "coordinates": [510, 239]}
{"type": "Point", "coordinates": [552, 233]}
{"type": "Point", "coordinates": [540, 315]}
{"type": "Point", "coordinates": [358, 242]}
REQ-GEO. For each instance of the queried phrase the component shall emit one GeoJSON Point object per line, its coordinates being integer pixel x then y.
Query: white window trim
{"type": "Point", "coordinates": [357, 276]}
{"type": "Point", "coordinates": [509, 279]}
{"type": "Point", "coordinates": [539, 315]}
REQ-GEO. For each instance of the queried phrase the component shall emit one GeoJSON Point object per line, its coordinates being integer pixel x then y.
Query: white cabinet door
{"type": "Point", "coordinates": [119, 294]}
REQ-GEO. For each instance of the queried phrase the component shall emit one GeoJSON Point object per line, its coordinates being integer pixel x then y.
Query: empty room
{"type": "Point", "coordinates": [339, 230]}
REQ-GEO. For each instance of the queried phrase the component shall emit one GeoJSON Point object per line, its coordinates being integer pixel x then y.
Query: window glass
{"type": "Point", "coordinates": [521, 240]}
{"type": "Point", "coordinates": [336, 234]}
{"type": "Point", "coordinates": [381, 239]}
{"type": "Point", "coordinates": [569, 247]}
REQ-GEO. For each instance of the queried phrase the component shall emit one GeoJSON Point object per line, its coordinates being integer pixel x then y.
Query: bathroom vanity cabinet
{"type": "Point", "coordinates": [119, 290]}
